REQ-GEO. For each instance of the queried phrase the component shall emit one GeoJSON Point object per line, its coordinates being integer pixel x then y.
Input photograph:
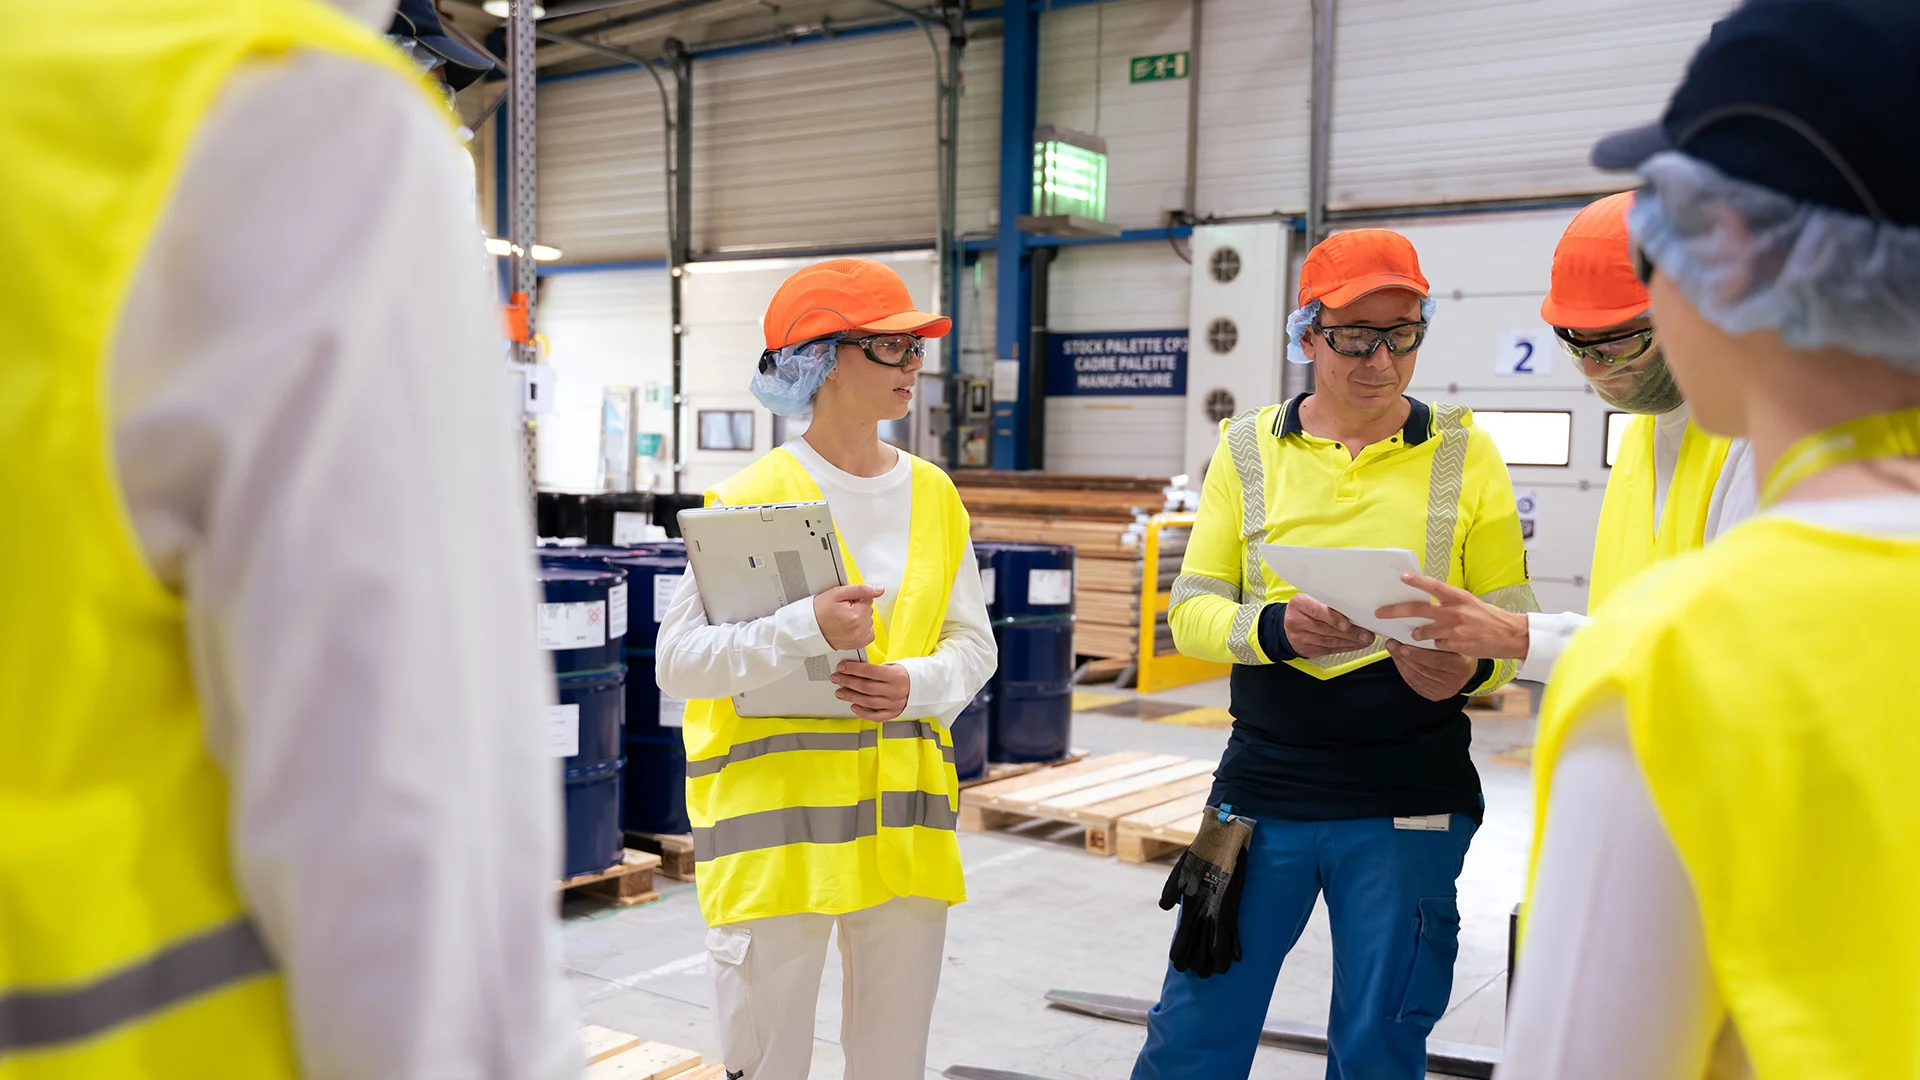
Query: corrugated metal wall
{"type": "Point", "coordinates": [1454, 100]}
{"type": "Point", "coordinates": [815, 144]}
{"type": "Point", "coordinates": [602, 170]}
{"type": "Point", "coordinates": [1255, 70]}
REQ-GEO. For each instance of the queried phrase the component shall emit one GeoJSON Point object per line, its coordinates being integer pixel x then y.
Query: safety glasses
{"type": "Point", "coordinates": [893, 350]}
{"type": "Point", "coordinates": [1361, 341]}
{"type": "Point", "coordinates": [1619, 349]}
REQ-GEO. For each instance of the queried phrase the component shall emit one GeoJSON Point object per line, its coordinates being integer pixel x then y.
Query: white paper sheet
{"type": "Point", "coordinates": [1354, 582]}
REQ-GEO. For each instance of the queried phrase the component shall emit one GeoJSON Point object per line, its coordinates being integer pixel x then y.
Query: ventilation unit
{"type": "Point", "coordinates": [1239, 310]}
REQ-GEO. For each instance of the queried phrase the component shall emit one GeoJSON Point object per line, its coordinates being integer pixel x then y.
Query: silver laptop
{"type": "Point", "coordinates": [751, 561]}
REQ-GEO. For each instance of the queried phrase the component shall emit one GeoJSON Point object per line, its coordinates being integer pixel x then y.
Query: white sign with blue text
{"type": "Point", "coordinates": [1525, 352]}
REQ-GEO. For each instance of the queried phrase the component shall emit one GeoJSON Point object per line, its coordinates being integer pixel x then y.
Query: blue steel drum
{"type": "Point", "coordinates": [970, 737]}
{"type": "Point", "coordinates": [1029, 579]}
{"type": "Point", "coordinates": [579, 603]}
{"type": "Point", "coordinates": [1030, 715]}
{"type": "Point", "coordinates": [656, 789]}
{"type": "Point", "coordinates": [593, 775]}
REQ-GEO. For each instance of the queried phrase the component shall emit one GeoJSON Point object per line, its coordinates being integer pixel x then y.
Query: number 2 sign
{"type": "Point", "coordinates": [1525, 352]}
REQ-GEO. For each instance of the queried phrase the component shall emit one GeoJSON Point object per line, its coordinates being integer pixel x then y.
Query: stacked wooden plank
{"type": "Point", "coordinates": [1097, 794]}
{"type": "Point", "coordinates": [1104, 518]}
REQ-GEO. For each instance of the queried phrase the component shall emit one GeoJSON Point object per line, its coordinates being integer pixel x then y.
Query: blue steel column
{"type": "Point", "coordinates": [1019, 79]}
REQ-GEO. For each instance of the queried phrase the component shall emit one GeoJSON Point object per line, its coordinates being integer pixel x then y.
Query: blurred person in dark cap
{"type": "Point", "coordinates": [1725, 872]}
{"type": "Point", "coordinates": [268, 676]}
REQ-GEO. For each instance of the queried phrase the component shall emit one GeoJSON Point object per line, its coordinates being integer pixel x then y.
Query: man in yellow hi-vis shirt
{"type": "Point", "coordinates": [1348, 758]}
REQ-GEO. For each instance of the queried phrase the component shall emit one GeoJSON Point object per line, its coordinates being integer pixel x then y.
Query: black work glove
{"type": "Point", "coordinates": [1207, 883]}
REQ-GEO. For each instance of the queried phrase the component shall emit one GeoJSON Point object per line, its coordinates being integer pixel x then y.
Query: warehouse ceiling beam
{"type": "Point", "coordinates": [672, 17]}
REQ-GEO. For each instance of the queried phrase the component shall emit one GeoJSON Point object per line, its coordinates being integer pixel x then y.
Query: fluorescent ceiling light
{"type": "Point", "coordinates": [500, 9]}
{"type": "Point", "coordinates": [541, 252]}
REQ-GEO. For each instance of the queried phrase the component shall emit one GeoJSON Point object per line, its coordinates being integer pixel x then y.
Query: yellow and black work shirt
{"type": "Point", "coordinates": [1344, 736]}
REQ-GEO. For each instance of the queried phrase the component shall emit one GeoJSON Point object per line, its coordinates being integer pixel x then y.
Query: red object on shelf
{"type": "Point", "coordinates": [516, 311]}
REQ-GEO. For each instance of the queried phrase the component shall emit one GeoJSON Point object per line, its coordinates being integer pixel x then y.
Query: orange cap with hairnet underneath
{"type": "Point", "coordinates": [1348, 265]}
{"type": "Point", "coordinates": [846, 294]}
{"type": "Point", "coordinates": [1593, 281]}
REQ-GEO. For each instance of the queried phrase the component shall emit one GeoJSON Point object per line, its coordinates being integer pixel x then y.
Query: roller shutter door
{"type": "Point", "coordinates": [1457, 100]}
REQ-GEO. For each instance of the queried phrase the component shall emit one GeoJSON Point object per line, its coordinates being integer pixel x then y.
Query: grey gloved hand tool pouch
{"type": "Point", "coordinates": [1207, 883]}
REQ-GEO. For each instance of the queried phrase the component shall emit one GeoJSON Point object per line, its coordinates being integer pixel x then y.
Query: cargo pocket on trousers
{"type": "Point", "coordinates": [1431, 981]}
{"type": "Point", "coordinates": [729, 950]}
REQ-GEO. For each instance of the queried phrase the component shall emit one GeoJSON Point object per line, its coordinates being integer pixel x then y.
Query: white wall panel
{"type": "Point", "coordinates": [723, 305]}
{"type": "Point", "coordinates": [605, 329]}
{"type": "Point", "coordinates": [1116, 287]}
{"type": "Point", "coordinates": [1255, 70]}
{"type": "Point", "coordinates": [1451, 100]}
{"type": "Point", "coordinates": [1084, 85]}
{"type": "Point", "coordinates": [602, 170]}
{"type": "Point", "coordinates": [816, 144]}
{"type": "Point", "coordinates": [1247, 373]}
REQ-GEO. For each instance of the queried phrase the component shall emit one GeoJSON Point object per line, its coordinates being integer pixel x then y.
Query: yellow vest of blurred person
{"type": "Point", "coordinates": [125, 949]}
{"type": "Point", "coordinates": [1633, 533]}
{"type": "Point", "coordinates": [833, 815]}
{"type": "Point", "coordinates": [1769, 701]}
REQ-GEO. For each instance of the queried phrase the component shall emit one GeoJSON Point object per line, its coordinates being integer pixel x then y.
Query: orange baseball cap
{"type": "Point", "coordinates": [1593, 280]}
{"type": "Point", "coordinates": [846, 294]}
{"type": "Point", "coordinates": [1348, 265]}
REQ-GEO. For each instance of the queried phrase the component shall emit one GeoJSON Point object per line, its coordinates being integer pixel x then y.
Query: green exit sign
{"type": "Point", "coordinates": [1171, 65]}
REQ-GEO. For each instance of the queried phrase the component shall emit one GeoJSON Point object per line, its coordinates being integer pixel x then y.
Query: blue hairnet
{"type": "Point", "coordinates": [1302, 318]}
{"type": "Point", "coordinates": [797, 374]}
{"type": "Point", "coordinates": [1750, 258]}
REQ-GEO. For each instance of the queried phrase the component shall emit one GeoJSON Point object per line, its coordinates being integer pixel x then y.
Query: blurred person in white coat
{"type": "Point", "coordinates": [268, 678]}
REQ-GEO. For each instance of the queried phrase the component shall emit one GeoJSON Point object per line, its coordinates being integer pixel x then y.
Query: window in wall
{"type": "Point", "coordinates": [1616, 427]}
{"type": "Point", "coordinates": [726, 429]}
{"type": "Point", "coordinates": [1527, 437]}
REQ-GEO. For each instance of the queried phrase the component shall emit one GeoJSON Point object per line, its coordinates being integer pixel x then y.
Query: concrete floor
{"type": "Point", "coordinates": [1044, 915]}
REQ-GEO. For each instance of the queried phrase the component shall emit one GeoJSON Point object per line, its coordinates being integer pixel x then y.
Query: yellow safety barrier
{"type": "Point", "coordinates": [1155, 670]}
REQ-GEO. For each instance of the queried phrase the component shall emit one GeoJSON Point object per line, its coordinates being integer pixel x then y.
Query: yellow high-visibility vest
{"type": "Point", "coordinates": [1437, 488]}
{"type": "Point", "coordinates": [1770, 708]}
{"type": "Point", "coordinates": [125, 949]}
{"type": "Point", "coordinates": [1632, 535]}
{"type": "Point", "coordinates": [833, 815]}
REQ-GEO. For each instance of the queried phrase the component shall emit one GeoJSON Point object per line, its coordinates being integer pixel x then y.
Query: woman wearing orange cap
{"type": "Point", "coordinates": [1673, 488]}
{"type": "Point", "coordinates": [803, 825]}
{"type": "Point", "coordinates": [1347, 774]}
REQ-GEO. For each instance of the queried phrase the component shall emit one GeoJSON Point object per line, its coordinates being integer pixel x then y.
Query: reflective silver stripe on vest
{"type": "Point", "coordinates": [822, 824]}
{"type": "Point", "coordinates": [789, 825]}
{"type": "Point", "coordinates": [916, 729]}
{"type": "Point", "coordinates": [780, 744]}
{"type": "Point", "coordinates": [1516, 598]}
{"type": "Point", "coordinates": [1243, 442]}
{"type": "Point", "coordinates": [1443, 488]}
{"type": "Point", "coordinates": [36, 1019]}
{"type": "Point", "coordinates": [1239, 637]}
{"type": "Point", "coordinates": [906, 809]}
{"type": "Point", "coordinates": [1188, 586]}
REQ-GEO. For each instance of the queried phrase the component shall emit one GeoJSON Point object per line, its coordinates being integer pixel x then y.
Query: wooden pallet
{"type": "Point", "coordinates": [1159, 830]}
{"type": "Point", "coordinates": [1006, 770]}
{"type": "Point", "coordinates": [615, 1055]}
{"type": "Point", "coordinates": [675, 851]}
{"type": "Point", "coordinates": [1095, 794]}
{"type": "Point", "coordinates": [1509, 700]}
{"type": "Point", "coordinates": [626, 883]}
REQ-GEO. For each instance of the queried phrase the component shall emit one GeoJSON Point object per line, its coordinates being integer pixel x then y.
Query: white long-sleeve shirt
{"type": "Point", "coordinates": [314, 440]}
{"type": "Point", "coordinates": [1616, 981]}
{"type": "Point", "coordinates": [873, 514]}
{"type": "Point", "coordinates": [1736, 495]}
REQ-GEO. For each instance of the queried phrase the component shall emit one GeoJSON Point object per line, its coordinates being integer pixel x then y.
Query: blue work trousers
{"type": "Point", "coordinates": [1396, 930]}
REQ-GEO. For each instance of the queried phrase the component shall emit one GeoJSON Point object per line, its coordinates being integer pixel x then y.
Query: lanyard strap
{"type": "Point", "coordinates": [1882, 435]}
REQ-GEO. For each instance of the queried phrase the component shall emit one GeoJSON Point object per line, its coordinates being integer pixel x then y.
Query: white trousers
{"type": "Point", "coordinates": [766, 984]}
